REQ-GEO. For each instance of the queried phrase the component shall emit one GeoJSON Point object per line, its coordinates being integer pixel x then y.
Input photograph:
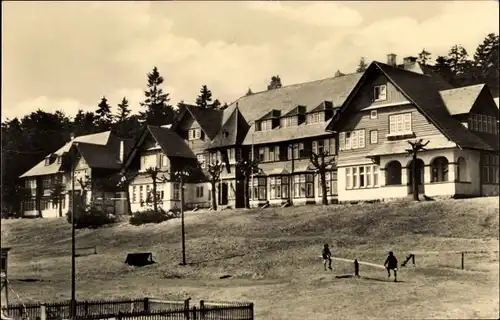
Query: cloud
{"type": "Point", "coordinates": [327, 14]}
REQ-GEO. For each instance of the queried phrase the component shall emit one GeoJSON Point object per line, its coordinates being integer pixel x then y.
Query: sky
{"type": "Point", "coordinates": [67, 55]}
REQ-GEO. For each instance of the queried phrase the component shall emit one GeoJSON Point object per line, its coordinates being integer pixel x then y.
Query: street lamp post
{"type": "Point", "coordinates": [181, 175]}
{"type": "Point", "coordinates": [73, 253]}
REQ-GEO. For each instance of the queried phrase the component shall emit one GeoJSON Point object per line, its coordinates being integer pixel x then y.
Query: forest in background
{"type": "Point", "coordinates": [27, 140]}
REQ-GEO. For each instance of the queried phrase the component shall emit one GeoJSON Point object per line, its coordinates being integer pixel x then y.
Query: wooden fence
{"type": "Point", "coordinates": [139, 309]}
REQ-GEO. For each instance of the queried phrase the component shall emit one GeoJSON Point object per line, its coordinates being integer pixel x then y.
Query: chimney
{"type": "Point", "coordinates": [72, 136]}
{"type": "Point", "coordinates": [409, 61]}
{"type": "Point", "coordinates": [122, 150]}
{"type": "Point", "coordinates": [391, 59]}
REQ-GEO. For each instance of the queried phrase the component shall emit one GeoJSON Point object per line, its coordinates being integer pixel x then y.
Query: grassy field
{"type": "Point", "coordinates": [272, 256]}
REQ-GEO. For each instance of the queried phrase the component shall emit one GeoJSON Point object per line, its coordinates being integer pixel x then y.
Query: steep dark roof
{"type": "Point", "coordinates": [325, 105]}
{"type": "Point", "coordinates": [103, 157]}
{"type": "Point", "coordinates": [170, 142]}
{"type": "Point", "coordinates": [233, 131]}
{"type": "Point", "coordinates": [421, 90]}
{"type": "Point", "coordinates": [210, 120]}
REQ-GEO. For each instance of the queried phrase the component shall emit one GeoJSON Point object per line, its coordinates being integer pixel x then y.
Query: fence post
{"type": "Point", "coordinates": [86, 308]}
{"type": "Point", "coordinates": [356, 268]}
{"type": "Point", "coordinates": [202, 310]}
{"type": "Point", "coordinates": [95, 249]}
{"type": "Point", "coordinates": [146, 304]}
{"type": "Point", "coordinates": [43, 314]}
{"type": "Point", "coordinates": [186, 308]}
{"type": "Point", "coordinates": [463, 256]}
{"type": "Point", "coordinates": [413, 259]}
{"type": "Point", "coordinates": [194, 313]}
{"type": "Point", "coordinates": [251, 310]}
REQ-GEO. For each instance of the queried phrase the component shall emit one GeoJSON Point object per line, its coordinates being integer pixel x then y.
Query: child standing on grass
{"type": "Point", "coordinates": [391, 263]}
{"type": "Point", "coordinates": [327, 257]}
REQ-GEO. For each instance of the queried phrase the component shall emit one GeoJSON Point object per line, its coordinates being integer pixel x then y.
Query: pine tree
{"type": "Point", "coordinates": [158, 110]}
{"type": "Point", "coordinates": [123, 110]}
{"type": "Point", "coordinates": [103, 114]}
{"type": "Point", "coordinates": [424, 56]}
{"type": "Point", "coordinates": [216, 104]}
{"type": "Point", "coordinates": [486, 62]}
{"type": "Point", "coordinates": [249, 92]}
{"type": "Point", "coordinates": [457, 57]}
{"type": "Point", "coordinates": [442, 66]}
{"type": "Point", "coordinates": [275, 83]}
{"type": "Point", "coordinates": [362, 66]}
{"type": "Point", "coordinates": [204, 98]}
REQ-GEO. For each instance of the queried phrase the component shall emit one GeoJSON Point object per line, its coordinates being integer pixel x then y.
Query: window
{"type": "Point", "coordinates": [278, 187]}
{"type": "Point", "coordinates": [352, 140]}
{"type": "Point", "coordinates": [199, 192]}
{"type": "Point", "coordinates": [195, 134]}
{"type": "Point", "coordinates": [490, 124]}
{"type": "Point", "coordinates": [276, 153]}
{"type": "Point", "coordinates": [264, 125]}
{"type": "Point", "coordinates": [45, 204]}
{"type": "Point", "coordinates": [490, 168]}
{"type": "Point", "coordinates": [316, 117]}
{"type": "Point", "coordinates": [297, 150]}
{"type": "Point", "coordinates": [134, 194]}
{"type": "Point", "coordinates": [160, 195]}
{"type": "Point", "coordinates": [373, 114]}
{"type": "Point", "coordinates": [259, 188]}
{"type": "Point", "coordinates": [303, 186]}
{"type": "Point", "coordinates": [29, 205]}
{"type": "Point", "coordinates": [176, 195]}
{"type": "Point", "coordinates": [439, 169]}
{"type": "Point", "coordinates": [380, 93]}
{"type": "Point", "coordinates": [59, 160]}
{"type": "Point", "coordinates": [331, 184]}
{"type": "Point", "coordinates": [201, 159]}
{"type": "Point", "coordinates": [400, 124]}
{"type": "Point", "coordinates": [141, 195]}
{"type": "Point", "coordinates": [362, 177]}
{"type": "Point", "coordinates": [374, 136]}
{"type": "Point", "coordinates": [163, 160]}
{"type": "Point", "coordinates": [475, 123]}
{"type": "Point", "coordinates": [289, 121]}
{"type": "Point", "coordinates": [261, 154]}
{"type": "Point", "coordinates": [231, 154]}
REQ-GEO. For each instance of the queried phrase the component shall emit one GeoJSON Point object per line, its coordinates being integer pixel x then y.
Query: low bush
{"type": "Point", "coordinates": [149, 216]}
{"type": "Point", "coordinates": [91, 217]}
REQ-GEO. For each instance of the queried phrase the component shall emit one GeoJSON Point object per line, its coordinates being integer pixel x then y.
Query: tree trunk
{"type": "Point", "coordinates": [129, 204]}
{"type": "Point", "coordinates": [245, 192]}
{"type": "Point", "coordinates": [60, 205]}
{"type": "Point", "coordinates": [324, 195]}
{"type": "Point", "coordinates": [214, 200]}
{"type": "Point", "coordinates": [155, 200]}
{"type": "Point", "coordinates": [414, 176]}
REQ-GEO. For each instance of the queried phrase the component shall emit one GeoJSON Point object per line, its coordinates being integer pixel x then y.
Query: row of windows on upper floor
{"type": "Point", "coordinates": [482, 123]}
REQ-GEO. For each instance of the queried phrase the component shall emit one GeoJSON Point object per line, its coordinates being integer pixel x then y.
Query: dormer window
{"type": "Point", "coordinates": [59, 159]}
{"type": "Point", "coordinates": [316, 117]}
{"type": "Point", "coordinates": [264, 125]}
{"type": "Point", "coordinates": [288, 121]}
{"type": "Point", "coordinates": [195, 134]}
{"type": "Point", "coordinates": [380, 93]}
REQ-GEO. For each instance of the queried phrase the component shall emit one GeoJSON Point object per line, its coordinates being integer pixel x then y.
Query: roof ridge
{"type": "Point", "coordinates": [292, 85]}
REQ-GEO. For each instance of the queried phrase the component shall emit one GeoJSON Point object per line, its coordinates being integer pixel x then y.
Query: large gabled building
{"type": "Point", "coordinates": [95, 158]}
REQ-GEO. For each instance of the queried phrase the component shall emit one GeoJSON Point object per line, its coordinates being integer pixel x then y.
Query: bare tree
{"type": "Point", "coordinates": [85, 183]}
{"type": "Point", "coordinates": [154, 173]}
{"type": "Point", "coordinates": [415, 147]}
{"type": "Point", "coordinates": [247, 168]}
{"type": "Point", "coordinates": [124, 183]}
{"type": "Point", "coordinates": [321, 161]}
{"type": "Point", "coordinates": [214, 170]}
{"type": "Point", "coordinates": [57, 195]}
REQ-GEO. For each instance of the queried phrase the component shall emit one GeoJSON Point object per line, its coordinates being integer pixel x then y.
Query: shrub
{"type": "Point", "coordinates": [91, 217]}
{"type": "Point", "coordinates": [149, 216]}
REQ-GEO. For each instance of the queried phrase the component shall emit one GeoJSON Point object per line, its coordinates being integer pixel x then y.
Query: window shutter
{"type": "Point", "coordinates": [383, 92]}
{"type": "Point", "coordinates": [361, 138]}
{"type": "Point", "coordinates": [315, 147]}
{"type": "Point", "coordinates": [342, 141]}
{"type": "Point", "coordinates": [332, 146]}
{"type": "Point", "coordinates": [354, 139]}
{"type": "Point", "coordinates": [407, 122]}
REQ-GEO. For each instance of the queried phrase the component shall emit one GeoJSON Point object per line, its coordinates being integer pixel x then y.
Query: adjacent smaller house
{"type": "Point", "coordinates": [162, 150]}
{"type": "Point", "coordinates": [96, 160]}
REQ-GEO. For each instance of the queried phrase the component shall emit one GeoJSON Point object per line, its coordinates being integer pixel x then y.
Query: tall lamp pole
{"type": "Point", "coordinates": [181, 175]}
{"type": "Point", "coordinates": [73, 253]}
